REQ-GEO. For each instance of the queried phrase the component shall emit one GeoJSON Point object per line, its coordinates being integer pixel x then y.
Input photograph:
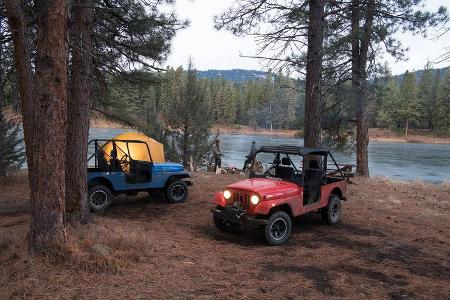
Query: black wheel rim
{"type": "Point", "coordinates": [178, 192]}
{"type": "Point", "coordinates": [99, 199]}
{"type": "Point", "coordinates": [278, 229]}
{"type": "Point", "coordinates": [335, 211]}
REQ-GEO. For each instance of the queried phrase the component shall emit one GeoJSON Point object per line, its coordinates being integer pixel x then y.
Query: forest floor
{"type": "Point", "coordinates": [393, 242]}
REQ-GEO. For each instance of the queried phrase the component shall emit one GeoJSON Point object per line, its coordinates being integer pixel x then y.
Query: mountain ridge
{"type": "Point", "coordinates": [244, 75]}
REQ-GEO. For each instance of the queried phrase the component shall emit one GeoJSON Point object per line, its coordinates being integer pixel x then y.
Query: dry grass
{"type": "Point", "coordinates": [394, 242]}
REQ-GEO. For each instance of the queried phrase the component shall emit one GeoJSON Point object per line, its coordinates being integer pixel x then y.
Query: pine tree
{"type": "Point", "coordinates": [229, 104]}
{"type": "Point", "coordinates": [427, 98]}
{"type": "Point", "coordinates": [388, 116]}
{"type": "Point", "coordinates": [189, 118]}
{"type": "Point", "coordinates": [442, 108]}
{"type": "Point", "coordinates": [12, 155]}
{"type": "Point", "coordinates": [408, 108]}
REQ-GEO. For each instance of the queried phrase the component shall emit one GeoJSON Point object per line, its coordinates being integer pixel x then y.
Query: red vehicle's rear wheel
{"type": "Point", "coordinates": [332, 212]}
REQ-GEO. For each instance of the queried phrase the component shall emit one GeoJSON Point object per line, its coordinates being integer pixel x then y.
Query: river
{"type": "Point", "coordinates": [401, 161]}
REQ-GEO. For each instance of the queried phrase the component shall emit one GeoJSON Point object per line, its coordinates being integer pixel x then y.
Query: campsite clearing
{"type": "Point", "coordinates": [393, 242]}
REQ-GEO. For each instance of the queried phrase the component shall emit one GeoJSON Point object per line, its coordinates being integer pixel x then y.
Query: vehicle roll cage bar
{"type": "Point", "coordinates": [99, 144]}
{"type": "Point", "coordinates": [295, 150]}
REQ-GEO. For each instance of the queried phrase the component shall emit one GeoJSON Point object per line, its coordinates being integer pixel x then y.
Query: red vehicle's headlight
{"type": "Point", "coordinates": [227, 194]}
{"type": "Point", "coordinates": [254, 199]}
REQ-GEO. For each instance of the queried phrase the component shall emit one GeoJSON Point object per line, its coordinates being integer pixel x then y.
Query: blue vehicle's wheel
{"type": "Point", "coordinates": [99, 198]}
{"type": "Point", "coordinates": [177, 191]}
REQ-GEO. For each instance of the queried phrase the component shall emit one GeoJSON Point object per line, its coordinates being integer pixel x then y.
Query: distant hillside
{"type": "Point", "coordinates": [418, 74]}
{"type": "Point", "coordinates": [241, 75]}
{"type": "Point", "coordinates": [235, 75]}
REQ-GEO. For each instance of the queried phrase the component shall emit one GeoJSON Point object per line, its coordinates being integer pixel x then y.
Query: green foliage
{"type": "Point", "coordinates": [442, 106]}
{"type": "Point", "coordinates": [188, 117]}
{"type": "Point", "coordinates": [411, 104]}
{"type": "Point", "coordinates": [12, 154]}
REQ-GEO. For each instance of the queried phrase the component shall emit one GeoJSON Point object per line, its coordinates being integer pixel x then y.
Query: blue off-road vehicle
{"type": "Point", "coordinates": [112, 171]}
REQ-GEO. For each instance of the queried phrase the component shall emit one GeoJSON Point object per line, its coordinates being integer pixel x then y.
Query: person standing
{"type": "Point", "coordinates": [217, 154]}
{"type": "Point", "coordinates": [250, 156]}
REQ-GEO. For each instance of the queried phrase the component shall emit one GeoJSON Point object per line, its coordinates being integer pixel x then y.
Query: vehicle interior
{"type": "Point", "coordinates": [311, 172]}
{"type": "Point", "coordinates": [119, 159]}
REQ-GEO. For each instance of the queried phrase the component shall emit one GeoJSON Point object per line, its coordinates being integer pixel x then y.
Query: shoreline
{"type": "Point", "coordinates": [290, 133]}
{"type": "Point", "coordinates": [97, 120]}
{"type": "Point", "coordinates": [375, 134]}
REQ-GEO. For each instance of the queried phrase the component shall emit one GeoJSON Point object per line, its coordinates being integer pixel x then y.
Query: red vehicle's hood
{"type": "Point", "coordinates": [267, 188]}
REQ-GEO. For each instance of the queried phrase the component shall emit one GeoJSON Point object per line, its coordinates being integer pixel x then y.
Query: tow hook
{"type": "Point", "coordinates": [239, 215]}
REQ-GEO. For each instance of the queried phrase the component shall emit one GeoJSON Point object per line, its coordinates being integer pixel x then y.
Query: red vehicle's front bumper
{"type": "Point", "coordinates": [237, 216]}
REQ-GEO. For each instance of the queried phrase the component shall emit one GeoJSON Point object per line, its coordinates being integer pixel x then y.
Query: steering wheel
{"type": "Point", "coordinates": [267, 172]}
{"type": "Point", "coordinates": [124, 161]}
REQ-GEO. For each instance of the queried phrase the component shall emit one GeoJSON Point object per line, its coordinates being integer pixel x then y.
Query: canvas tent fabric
{"type": "Point", "coordinates": [138, 151]}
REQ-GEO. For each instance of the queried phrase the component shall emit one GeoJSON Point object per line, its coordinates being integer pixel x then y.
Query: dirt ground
{"type": "Point", "coordinates": [393, 242]}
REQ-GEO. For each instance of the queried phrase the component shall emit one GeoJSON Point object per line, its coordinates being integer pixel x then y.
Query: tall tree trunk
{"type": "Point", "coordinates": [44, 117]}
{"type": "Point", "coordinates": [2, 101]}
{"type": "Point", "coordinates": [25, 76]}
{"type": "Point", "coordinates": [360, 47]}
{"type": "Point", "coordinates": [77, 209]}
{"type": "Point", "coordinates": [312, 119]}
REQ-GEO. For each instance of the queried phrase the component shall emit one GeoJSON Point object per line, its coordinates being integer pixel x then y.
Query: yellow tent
{"type": "Point", "coordinates": [138, 151]}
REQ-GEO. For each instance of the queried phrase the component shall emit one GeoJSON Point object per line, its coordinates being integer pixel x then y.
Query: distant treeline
{"type": "Point", "coordinates": [277, 101]}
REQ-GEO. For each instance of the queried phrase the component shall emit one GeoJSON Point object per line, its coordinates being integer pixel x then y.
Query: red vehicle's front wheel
{"type": "Point", "coordinates": [278, 228]}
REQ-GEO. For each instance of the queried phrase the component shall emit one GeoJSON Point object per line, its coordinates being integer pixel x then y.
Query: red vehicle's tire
{"type": "Point", "coordinates": [332, 212]}
{"type": "Point", "coordinates": [278, 228]}
{"type": "Point", "coordinates": [99, 198]}
{"type": "Point", "coordinates": [226, 226]}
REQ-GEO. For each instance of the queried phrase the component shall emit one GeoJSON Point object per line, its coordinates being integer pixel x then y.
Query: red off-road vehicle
{"type": "Point", "coordinates": [297, 181]}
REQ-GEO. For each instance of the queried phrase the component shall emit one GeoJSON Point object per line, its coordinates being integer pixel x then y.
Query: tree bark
{"type": "Point", "coordinates": [2, 101]}
{"type": "Point", "coordinates": [25, 76]}
{"type": "Point", "coordinates": [77, 209]}
{"type": "Point", "coordinates": [44, 112]}
{"type": "Point", "coordinates": [312, 121]}
{"type": "Point", "coordinates": [360, 47]}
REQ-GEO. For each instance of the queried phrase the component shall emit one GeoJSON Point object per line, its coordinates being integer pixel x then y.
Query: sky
{"type": "Point", "coordinates": [212, 49]}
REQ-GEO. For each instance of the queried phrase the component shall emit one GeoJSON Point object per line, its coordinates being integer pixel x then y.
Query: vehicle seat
{"type": "Point", "coordinates": [102, 163]}
{"type": "Point", "coordinates": [114, 163]}
{"type": "Point", "coordinates": [285, 171]}
{"type": "Point", "coordinates": [313, 180]}
{"type": "Point", "coordinates": [140, 171]}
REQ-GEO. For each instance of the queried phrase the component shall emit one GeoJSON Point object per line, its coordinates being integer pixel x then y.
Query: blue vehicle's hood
{"type": "Point", "coordinates": [168, 167]}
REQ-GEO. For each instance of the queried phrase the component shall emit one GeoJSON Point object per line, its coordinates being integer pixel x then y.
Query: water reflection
{"type": "Point", "coordinates": [402, 161]}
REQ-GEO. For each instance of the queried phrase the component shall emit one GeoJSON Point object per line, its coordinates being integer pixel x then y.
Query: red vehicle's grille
{"type": "Point", "coordinates": [242, 199]}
